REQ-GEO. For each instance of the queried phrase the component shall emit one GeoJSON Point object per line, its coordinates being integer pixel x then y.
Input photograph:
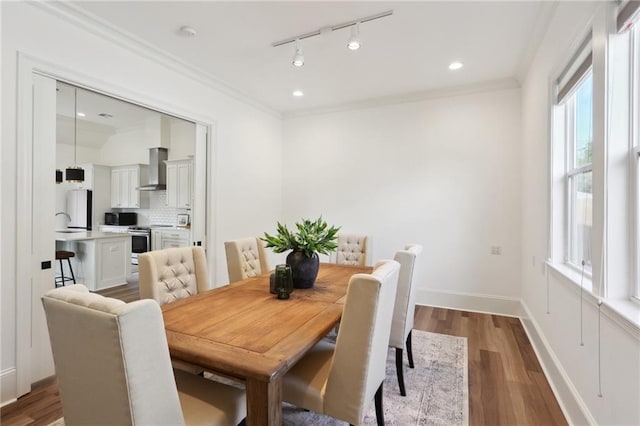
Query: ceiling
{"type": "Point", "coordinates": [403, 54]}
{"type": "Point", "coordinates": [93, 128]}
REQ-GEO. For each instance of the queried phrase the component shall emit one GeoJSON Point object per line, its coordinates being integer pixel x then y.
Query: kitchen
{"type": "Point", "coordinates": [138, 187]}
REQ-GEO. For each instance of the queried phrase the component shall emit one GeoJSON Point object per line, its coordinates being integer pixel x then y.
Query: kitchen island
{"type": "Point", "coordinates": [102, 260]}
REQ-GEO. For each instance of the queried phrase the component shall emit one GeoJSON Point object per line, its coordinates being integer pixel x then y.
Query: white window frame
{"type": "Point", "coordinates": [634, 129]}
{"type": "Point", "coordinates": [572, 171]}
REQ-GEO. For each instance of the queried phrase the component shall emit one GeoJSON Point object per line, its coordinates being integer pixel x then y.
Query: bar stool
{"type": "Point", "coordinates": [60, 256]}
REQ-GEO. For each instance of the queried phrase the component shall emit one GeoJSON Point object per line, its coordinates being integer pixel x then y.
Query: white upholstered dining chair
{"type": "Point", "coordinates": [246, 258]}
{"type": "Point", "coordinates": [352, 249]}
{"type": "Point", "coordinates": [341, 379]}
{"type": "Point", "coordinates": [404, 309]}
{"type": "Point", "coordinates": [113, 367]}
{"type": "Point", "coordinates": [173, 274]}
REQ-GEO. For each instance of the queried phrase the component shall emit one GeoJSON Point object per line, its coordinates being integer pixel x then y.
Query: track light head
{"type": "Point", "coordinates": [354, 39]}
{"type": "Point", "coordinates": [298, 57]}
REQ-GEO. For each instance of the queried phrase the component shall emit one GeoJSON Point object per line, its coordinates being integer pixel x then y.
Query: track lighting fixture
{"type": "Point", "coordinates": [353, 43]}
{"type": "Point", "coordinates": [298, 57]}
{"type": "Point", "coordinates": [354, 39]}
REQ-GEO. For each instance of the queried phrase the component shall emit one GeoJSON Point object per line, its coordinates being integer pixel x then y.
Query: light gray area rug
{"type": "Point", "coordinates": [437, 388]}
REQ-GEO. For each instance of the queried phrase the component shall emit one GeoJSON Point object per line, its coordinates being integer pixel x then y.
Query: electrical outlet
{"type": "Point", "coordinates": [497, 250]}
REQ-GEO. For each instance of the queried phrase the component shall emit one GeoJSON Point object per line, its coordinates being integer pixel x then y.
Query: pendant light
{"type": "Point", "coordinates": [75, 173]}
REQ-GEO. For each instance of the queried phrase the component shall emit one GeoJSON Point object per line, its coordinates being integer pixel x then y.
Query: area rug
{"type": "Point", "coordinates": [437, 388]}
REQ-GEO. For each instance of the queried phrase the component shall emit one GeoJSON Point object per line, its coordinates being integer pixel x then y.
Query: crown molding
{"type": "Point", "coordinates": [105, 30]}
{"type": "Point", "coordinates": [540, 27]}
{"type": "Point", "coordinates": [488, 86]}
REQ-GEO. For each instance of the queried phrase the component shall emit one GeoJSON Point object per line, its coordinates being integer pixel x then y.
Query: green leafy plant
{"type": "Point", "coordinates": [310, 238]}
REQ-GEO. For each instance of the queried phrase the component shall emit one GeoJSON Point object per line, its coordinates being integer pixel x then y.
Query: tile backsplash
{"type": "Point", "coordinates": [158, 212]}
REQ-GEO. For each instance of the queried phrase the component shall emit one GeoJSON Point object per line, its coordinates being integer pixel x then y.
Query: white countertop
{"type": "Point", "coordinates": [88, 235]}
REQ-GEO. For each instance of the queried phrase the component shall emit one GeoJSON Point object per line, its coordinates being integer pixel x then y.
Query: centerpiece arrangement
{"type": "Point", "coordinates": [311, 238]}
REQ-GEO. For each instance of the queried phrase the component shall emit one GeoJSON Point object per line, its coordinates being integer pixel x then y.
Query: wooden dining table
{"type": "Point", "coordinates": [242, 331]}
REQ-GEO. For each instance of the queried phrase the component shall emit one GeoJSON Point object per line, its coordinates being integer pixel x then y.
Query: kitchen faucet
{"type": "Point", "coordinates": [66, 214]}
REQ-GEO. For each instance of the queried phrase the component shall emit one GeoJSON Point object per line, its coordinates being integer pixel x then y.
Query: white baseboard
{"type": "Point", "coordinates": [8, 389]}
{"type": "Point", "coordinates": [470, 302]}
{"type": "Point", "coordinates": [572, 405]}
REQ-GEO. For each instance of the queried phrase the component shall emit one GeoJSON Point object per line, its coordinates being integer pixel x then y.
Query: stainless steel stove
{"type": "Point", "coordinates": [140, 241]}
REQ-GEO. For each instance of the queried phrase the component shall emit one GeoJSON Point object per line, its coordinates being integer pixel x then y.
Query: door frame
{"type": "Point", "coordinates": [28, 66]}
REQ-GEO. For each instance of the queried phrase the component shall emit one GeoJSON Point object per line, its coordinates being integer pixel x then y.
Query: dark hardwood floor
{"type": "Point", "coordinates": [506, 383]}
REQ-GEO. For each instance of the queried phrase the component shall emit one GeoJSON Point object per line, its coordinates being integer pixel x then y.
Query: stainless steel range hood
{"type": "Point", "coordinates": [157, 170]}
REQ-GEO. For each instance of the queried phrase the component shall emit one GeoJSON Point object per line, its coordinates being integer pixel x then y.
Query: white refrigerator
{"type": "Point", "coordinates": [79, 207]}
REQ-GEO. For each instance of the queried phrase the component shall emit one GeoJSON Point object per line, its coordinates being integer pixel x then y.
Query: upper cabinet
{"type": "Point", "coordinates": [125, 181]}
{"type": "Point", "coordinates": [179, 183]}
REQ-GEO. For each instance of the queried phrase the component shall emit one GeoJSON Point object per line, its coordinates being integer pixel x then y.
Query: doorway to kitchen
{"type": "Point", "coordinates": [40, 199]}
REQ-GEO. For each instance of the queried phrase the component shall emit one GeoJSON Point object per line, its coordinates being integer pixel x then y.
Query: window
{"type": "Point", "coordinates": [579, 143]}
{"type": "Point", "coordinates": [573, 163]}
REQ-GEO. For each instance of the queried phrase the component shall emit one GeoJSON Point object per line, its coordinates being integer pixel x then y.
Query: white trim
{"type": "Point", "coordinates": [570, 276]}
{"type": "Point", "coordinates": [540, 27]}
{"type": "Point", "coordinates": [105, 30]}
{"type": "Point", "coordinates": [489, 86]}
{"type": "Point", "coordinates": [580, 170]}
{"type": "Point", "coordinates": [482, 303]}
{"type": "Point", "coordinates": [571, 404]}
{"type": "Point", "coordinates": [624, 313]}
{"type": "Point", "coordinates": [24, 150]}
{"type": "Point", "coordinates": [7, 386]}
{"type": "Point", "coordinates": [27, 65]}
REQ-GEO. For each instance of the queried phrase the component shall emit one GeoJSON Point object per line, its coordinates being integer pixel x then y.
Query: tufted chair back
{"type": "Point", "coordinates": [246, 258]}
{"type": "Point", "coordinates": [352, 249]}
{"type": "Point", "coordinates": [172, 274]}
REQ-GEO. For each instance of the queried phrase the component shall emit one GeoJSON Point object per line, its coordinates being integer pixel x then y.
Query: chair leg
{"type": "Point", "coordinates": [378, 403]}
{"type": "Point", "coordinates": [61, 272]}
{"type": "Point", "coordinates": [409, 351]}
{"type": "Point", "coordinates": [71, 270]}
{"type": "Point", "coordinates": [399, 372]}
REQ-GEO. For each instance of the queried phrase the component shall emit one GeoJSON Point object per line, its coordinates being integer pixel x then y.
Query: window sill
{"type": "Point", "coordinates": [573, 276]}
{"type": "Point", "coordinates": [623, 312]}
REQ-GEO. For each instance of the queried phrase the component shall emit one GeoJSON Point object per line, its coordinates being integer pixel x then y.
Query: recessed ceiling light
{"type": "Point", "coordinates": [81, 114]}
{"type": "Point", "coordinates": [187, 31]}
{"type": "Point", "coordinates": [298, 93]}
{"type": "Point", "coordinates": [455, 65]}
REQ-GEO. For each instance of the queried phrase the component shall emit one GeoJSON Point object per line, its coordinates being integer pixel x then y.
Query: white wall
{"type": "Point", "coordinates": [247, 152]}
{"type": "Point", "coordinates": [572, 368]}
{"type": "Point", "coordinates": [443, 172]}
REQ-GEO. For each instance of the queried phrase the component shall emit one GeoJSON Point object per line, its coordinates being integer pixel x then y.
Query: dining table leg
{"type": "Point", "coordinates": [264, 402]}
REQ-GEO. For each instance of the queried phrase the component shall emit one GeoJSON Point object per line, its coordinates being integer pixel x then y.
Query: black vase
{"type": "Point", "coordinates": [304, 270]}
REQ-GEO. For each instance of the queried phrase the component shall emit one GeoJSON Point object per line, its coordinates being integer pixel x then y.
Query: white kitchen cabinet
{"type": "Point", "coordinates": [96, 177]}
{"type": "Point", "coordinates": [125, 181]}
{"type": "Point", "coordinates": [166, 238]}
{"type": "Point", "coordinates": [179, 183]}
{"type": "Point", "coordinates": [100, 262]}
